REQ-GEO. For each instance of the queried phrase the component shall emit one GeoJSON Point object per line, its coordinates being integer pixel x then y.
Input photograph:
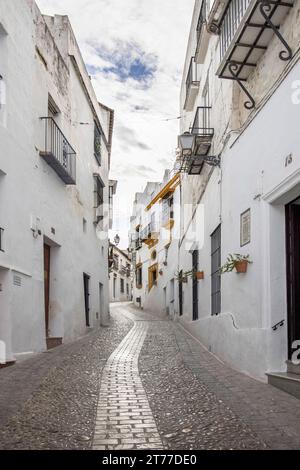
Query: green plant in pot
{"type": "Point", "coordinates": [236, 261]}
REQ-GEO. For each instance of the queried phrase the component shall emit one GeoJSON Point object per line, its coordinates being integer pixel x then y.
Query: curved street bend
{"type": "Point", "coordinates": [140, 383]}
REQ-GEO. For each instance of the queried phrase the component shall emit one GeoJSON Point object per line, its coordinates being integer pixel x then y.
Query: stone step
{"type": "Point", "coordinates": [286, 381]}
{"type": "Point", "coordinates": [293, 368]}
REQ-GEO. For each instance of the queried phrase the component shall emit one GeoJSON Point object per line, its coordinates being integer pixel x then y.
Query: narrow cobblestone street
{"type": "Point", "coordinates": [142, 383]}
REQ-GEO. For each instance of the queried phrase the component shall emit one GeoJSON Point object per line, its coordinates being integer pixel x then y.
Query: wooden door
{"type": "Point", "coordinates": [86, 285]}
{"type": "Point", "coordinates": [195, 285]}
{"type": "Point", "coordinates": [180, 290]}
{"type": "Point", "coordinates": [293, 273]}
{"type": "Point", "coordinates": [215, 271]}
{"type": "Point", "coordinates": [47, 251]}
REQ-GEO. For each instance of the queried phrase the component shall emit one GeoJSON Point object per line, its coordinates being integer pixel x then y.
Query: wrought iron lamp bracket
{"type": "Point", "coordinates": [265, 8]}
{"type": "Point", "coordinates": [212, 160]}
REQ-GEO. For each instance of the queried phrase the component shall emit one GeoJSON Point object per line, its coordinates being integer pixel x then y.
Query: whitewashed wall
{"type": "Point", "coordinates": [253, 147]}
{"type": "Point", "coordinates": [32, 191]}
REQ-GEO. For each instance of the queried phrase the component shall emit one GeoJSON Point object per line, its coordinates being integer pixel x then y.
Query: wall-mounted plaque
{"type": "Point", "coordinates": [245, 227]}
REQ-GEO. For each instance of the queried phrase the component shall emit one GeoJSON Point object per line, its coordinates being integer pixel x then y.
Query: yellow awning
{"type": "Point", "coordinates": [168, 188]}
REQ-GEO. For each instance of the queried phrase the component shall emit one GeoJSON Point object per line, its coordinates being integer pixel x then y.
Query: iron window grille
{"type": "Point", "coordinates": [97, 143]}
{"type": "Point", "coordinates": [1, 239]}
{"type": "Point", "coordinates": [215, 271]}
{"type": "Point", "coordinates": [201, 21]}
{"type": "Point", "coordinates": [139, 276]}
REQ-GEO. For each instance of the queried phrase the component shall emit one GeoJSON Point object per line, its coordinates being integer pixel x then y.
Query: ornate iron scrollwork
{"type": "Point", "coordinates": [265, 8]}
{"type": "Point", "coordinates": [233, 68]}
{"type": "Point", "coordinates": [212, 160]}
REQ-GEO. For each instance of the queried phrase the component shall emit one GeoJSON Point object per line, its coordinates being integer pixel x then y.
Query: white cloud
{"type": "Point", "coordinates": [112, 34]}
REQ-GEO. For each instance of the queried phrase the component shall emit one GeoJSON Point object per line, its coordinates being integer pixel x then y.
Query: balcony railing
{"type": "Point", "coordinates": [230, 22]}
{"type": "Point", "coordinates": [201, 125]}
{"type": "Point", "coordinates": [149, 232]}
{"type": "Point", "coordinates": [246, 29]}
{"type": "Point", "coordinates": [201, 20]}
{"type": "Point", "coordinates": [58, 152]}
{"type": "Point", "coordinates": [202, 35]}
{"type": "Point", "coordinates": [138, 244]}
{"type": "Point", "coordinates": [192, 84]}
{"type": "Point", "coordinates": [1, 239]}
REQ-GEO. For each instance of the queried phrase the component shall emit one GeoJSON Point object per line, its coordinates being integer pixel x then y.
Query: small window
{"type": "Point", "coordinates": [53, 109]}
{"type": "Point", "coordinates": [116, 262]}
{"type": "Point", "coordinates": [1, 239]}
{"type": "Point", "coordinates": [98, 197]}
{"type": "Point", "coordinates": [139, 277]}
{"type": "Point", "coordinates": [97, 143]}
{"type": "Point", "coordinates": [152, 276]}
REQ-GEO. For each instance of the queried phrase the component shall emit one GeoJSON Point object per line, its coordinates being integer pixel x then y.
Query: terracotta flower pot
{"type": "Point", "coordinates": [241, 266]}
{"type": "Point", "coordinates": [199, 275]}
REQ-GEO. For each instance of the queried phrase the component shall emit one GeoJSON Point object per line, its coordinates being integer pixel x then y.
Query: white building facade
{"type": "Point", "coordinates": [241, 182]}
{"type": "Point", "coordinates": [55, 145]}
{"type": "Point", "coordinates": [120, 275]}
{"type": "Point", "coordinates": [155, 228]}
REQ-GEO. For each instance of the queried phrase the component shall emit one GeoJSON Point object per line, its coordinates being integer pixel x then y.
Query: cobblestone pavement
{"type": "Point", "coordinates": [142, 383]}
{"type": "Point", "coordinates": [49, 401]}
{"type": "Point", "coordinates": [124, 418]}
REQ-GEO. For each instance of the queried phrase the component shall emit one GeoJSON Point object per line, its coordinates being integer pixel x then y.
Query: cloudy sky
{"type": "Point", "coordinates": [134, 51]}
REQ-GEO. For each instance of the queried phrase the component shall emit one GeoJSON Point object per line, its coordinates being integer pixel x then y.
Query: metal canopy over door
{"type": "Point", "coordinates": [47, 251]}
{"type": "Point", "coordinates": [293, 272]}
{"type": "Point", "coordinates": [86, 283]}
{"type": "Point", "coordinates": [195, 256]}
{"type": "Point", "coordinates": [215, 271]}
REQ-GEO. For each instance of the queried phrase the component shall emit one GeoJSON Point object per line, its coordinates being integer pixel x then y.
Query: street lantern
{"type": "Point", "coordinates": [186, 143]}
{"type": "Point", "coordinates": [117, 240]}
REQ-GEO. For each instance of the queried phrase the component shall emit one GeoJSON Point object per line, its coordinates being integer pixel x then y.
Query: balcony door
{"type": "Point", "coordinates": [215, 271]}
{"type": "Point", "coordinates": [180, 294]}
{"type": "Point", "coordinates": [47, 251]}
{"type": "Point", "coordinates": [293, 272]}
{"type": "Point", "coordinates": [195, 256]}
{"type": "Point", "coordinates": [86, 285]}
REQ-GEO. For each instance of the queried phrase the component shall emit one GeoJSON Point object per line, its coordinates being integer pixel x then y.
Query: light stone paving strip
{"type": "Point", "coordinates": [124, 418]}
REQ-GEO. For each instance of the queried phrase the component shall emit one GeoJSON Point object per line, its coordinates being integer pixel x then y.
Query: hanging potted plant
{"type": "Point", "coordinates": [199, 275]}
{"type": "Point", "coordinates": [237, 262]}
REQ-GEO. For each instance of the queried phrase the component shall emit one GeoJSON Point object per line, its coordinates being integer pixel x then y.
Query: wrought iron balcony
{"type": "Point", "coordinates": [58, 152]}
{"type": "Point", "coordinates": [199, 141]}
{"type": "Point", "coordinates": [246, 29]}
{"type": "Point", "coordinates": [1, 239]}
{"type": "Point", "coordinates": [202, 130]}
{"type": "Point", "coordinates": [138, 244]}
{"type": "Point", "coordinates": [167, 217]}
{"type": "Point", "coordinates": [192, 85]}
{"type": "Point", "coordinates": [202, 35]}
{"type": "Point", "coordinates": [149, 233]}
